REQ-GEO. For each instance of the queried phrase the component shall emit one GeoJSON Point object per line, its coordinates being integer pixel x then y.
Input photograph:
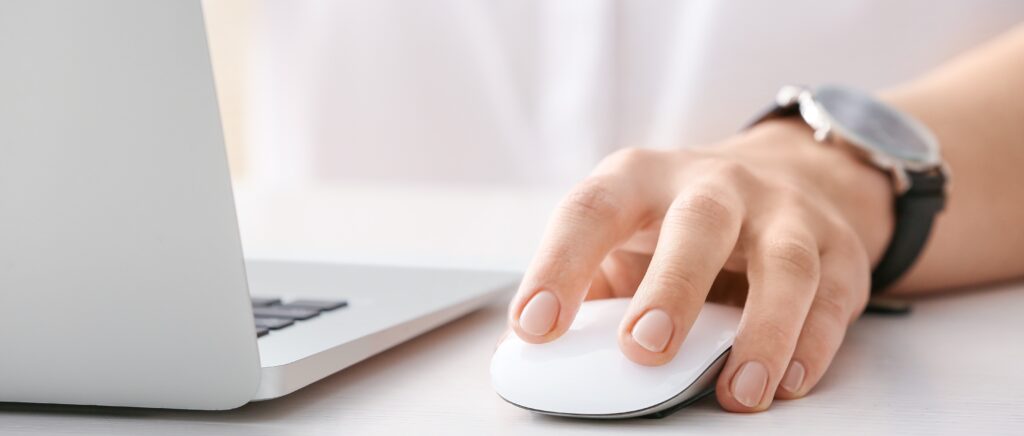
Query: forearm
{"type": "Point", "coordinates": [975, 106]}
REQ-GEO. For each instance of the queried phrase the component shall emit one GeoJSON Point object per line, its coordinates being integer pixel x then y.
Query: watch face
{"type": "Point", "coordinates": [869, 123]}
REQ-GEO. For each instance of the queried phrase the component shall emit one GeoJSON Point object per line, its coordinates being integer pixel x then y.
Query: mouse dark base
{"type": "Point", "coordinates": [677, 407]}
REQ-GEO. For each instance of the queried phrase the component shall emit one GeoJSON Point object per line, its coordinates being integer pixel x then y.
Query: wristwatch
{"type": "Point", "coordinates": [889, 140]}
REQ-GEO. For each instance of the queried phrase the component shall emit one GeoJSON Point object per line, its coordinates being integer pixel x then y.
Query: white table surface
{"type": "Point", "coordinates": [953, 366]}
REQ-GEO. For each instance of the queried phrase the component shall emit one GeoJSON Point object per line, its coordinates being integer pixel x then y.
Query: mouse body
{"type": "Point", "coordinates": [584, 374]}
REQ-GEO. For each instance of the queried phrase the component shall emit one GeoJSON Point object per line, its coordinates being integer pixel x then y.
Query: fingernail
{"type": "Point", "coordinates": [653, 330]}
{"type": "Point", "coordinates": [749, 382]}
{"type": "Point", "coordinates": [539, 314]}
{"type": "Point", "coordinates": [794, 377]}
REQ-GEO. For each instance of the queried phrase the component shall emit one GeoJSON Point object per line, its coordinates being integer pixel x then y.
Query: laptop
{"type": "Point", "coordinates": [122, 278]}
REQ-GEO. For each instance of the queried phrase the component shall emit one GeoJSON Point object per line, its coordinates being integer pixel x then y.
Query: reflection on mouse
{"type": "Point", "coordinates": [583, 374]}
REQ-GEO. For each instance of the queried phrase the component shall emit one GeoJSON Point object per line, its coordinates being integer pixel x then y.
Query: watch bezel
{"type": "Point", "coordinates": [828, 130]}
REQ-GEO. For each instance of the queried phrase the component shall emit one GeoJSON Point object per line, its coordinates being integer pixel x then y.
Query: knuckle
{"type": "Point", "coordinates": [831, 306]}
{"type": "Point", "coordinates": [847, 239]}
{"type": "Point", "coordinates": [726, 169]}
{"type": "Point", "coordinates": [790, 198]}
{"type": "Point", "coordinates": [595, 198]}
{"type": "Point", "coordinates": [705, 208]}
{"type": "Point", "coordinates": [678, 283]}
{"type": "Point", "coordinates": [775, 333]}
{"type": "Point", "coordinates": [856, 283]}
{"type": "Point", "coordinates": [793, 200]}
{"type": "Point", "coordinates": [821, 337]}
{"type": "Point", "coordinates": [798, 257]}
{"type": "Point", "coordinates": [688, 154]}
{"type": "Point", "coordinates": [858, 294]}
{"type": "Point", "coordinates": [628, 158]}
{"type": "Point", "coordinates": [816, 345]}
{"type": "Point", "coordinates": [863, 297]}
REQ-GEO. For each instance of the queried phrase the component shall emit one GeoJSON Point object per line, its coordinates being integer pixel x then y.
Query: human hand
{"type": "Point", "coordinates": [768, 219]}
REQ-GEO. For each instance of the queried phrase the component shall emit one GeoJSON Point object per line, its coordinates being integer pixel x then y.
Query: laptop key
{"type": "Point", "coordinates": [322, 305]}
{"type": "Point", "coordinates": [294, 313]}
{"type": "Point", "coordinates": [262, 331]}
{"type": "Point", "coordinates": [264, 301]}
{"type": "Point", "coordinates": [274, 323]}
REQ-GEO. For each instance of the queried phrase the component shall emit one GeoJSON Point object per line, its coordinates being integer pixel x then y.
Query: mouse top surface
{"type": "Point", "coordinates": [584, 372]}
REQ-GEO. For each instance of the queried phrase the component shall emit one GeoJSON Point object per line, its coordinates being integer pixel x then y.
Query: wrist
{"type": "Point", "coordinates": [859, 192]}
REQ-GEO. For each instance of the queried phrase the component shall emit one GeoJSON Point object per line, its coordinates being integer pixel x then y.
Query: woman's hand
{"type": "Point", "coordinates": [769, 219]}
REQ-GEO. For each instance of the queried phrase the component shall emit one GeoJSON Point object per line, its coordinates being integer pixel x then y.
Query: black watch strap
{"type": "Point", "coordinates": [915, 213]}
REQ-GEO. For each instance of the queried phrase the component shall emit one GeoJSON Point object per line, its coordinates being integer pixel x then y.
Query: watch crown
{"type": "Point", "coordinates": [789, 95]}
{"type": "Point", "coordinates": [822, 134]}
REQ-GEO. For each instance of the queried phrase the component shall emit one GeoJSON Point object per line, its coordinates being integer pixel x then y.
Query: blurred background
{"type": "Point", "coordinates": [443, 131]}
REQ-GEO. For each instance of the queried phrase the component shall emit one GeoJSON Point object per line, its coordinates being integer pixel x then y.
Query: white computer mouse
{"type": "Point", "coordinates": [584, 374]}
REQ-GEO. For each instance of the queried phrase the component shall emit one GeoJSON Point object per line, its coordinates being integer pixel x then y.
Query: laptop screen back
{"type": "Point", "coordinates": [121, 273]}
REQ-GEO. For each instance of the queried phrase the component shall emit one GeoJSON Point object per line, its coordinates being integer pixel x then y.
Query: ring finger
{"type": "Point", "coordinates": [783, 270]}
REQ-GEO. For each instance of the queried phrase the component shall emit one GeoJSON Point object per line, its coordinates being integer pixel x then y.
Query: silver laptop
{"type": "Point", "coordinates": [122, 281]}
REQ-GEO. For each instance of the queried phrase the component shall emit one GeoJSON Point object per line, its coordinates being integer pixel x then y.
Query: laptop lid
{"type": "Point", "coordinates": [121, 274]}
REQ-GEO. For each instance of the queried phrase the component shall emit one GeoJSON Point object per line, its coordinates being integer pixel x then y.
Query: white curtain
{"type": "Point", "coordinates": [534, 92]}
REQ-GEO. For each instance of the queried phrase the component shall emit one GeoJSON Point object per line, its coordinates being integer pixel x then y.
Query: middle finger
{"type": "Point", "coordinates": [697, 236]}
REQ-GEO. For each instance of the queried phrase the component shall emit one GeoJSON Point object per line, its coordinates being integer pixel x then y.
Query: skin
{"type": "Point", "coordinates": [788, 228]}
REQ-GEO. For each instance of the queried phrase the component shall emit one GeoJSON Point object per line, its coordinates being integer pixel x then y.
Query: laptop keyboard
{"type": "Point", "coordinates": [275, 314]}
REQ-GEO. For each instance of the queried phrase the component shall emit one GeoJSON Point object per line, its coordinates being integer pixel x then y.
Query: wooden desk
{"type": "Point", "coordinates": [954, 366]}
